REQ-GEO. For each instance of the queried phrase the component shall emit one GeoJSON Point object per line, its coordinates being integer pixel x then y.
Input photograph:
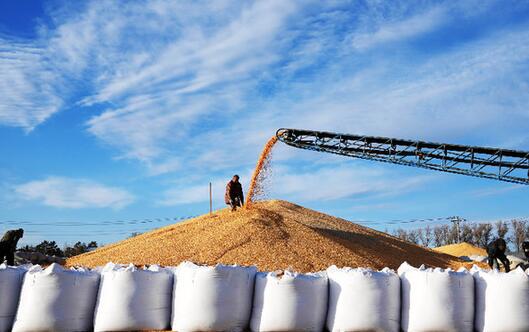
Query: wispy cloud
{"type": "Point", "coordinates": [199, 72]}
{"type": "Point", "coordinates": [337, 182]}
{"type": "Point", "coordinates": [182, 84]}
{"type": "Point", "coordinates": [389, 32]}
{"type": "Point", "coordinates": [61, 192]}
{"type": "Point", "coordinates": [27, 92]}
{"type": "Point", "coordinates": [190, 194]}
{"type": "Point", "coordinates": [458, 96]}
{"type": "Point", "coordinates": [324, 183]}
{"type": "Point", "coordinates": [497, 190]}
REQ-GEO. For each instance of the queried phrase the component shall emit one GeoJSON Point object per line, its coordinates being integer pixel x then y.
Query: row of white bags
{"type": "Point", "coordinates": [200, 298]}
{"type": "Point", "coordinates": [230, 298]}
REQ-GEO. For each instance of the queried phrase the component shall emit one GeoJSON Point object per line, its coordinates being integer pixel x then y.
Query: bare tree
{"type": "Point", "coordinates": [438, 237]}
{"type": "Point", "coordinates": [455, 234]}
{"type": "Point", "coordinates": [482, 234]}
{"type": "Point", "coordinates": [487, 234]}
{"type": "Point", "coordinates": [502, 228]}
{"type": "Point", "coordinates": [448, 234]}
{"type": "Point", "coordinates": [475, 234]}
{"type": "Point", "coordinates": [414, 236]}
{"type": "Point", "coordinates": [519, 233]}
{"type": "Point", "coordinates": [467, 234]}
{"type": "Point", "coordinates": [426, 236]}
{"type": "Point", "coordinates": [478, 234]}
{"type": "Point", "coordinates": [401, 234]}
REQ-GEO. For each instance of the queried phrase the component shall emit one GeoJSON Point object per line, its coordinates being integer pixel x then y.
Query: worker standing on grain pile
{"type": "Point", "coordinates": [8, 245]}
{"type": "Point", "coordinates": [234, 196]}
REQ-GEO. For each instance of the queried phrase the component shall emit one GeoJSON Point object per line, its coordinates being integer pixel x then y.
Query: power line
{"type": "Point", "coordinates": [95, 233]}
{"type": "Point", "coordinates": [401, 221]}
{"type": "Point", "coordinates": [100, 223]}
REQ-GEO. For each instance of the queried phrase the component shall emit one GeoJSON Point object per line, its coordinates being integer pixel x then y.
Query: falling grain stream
{"type": "Point", "coordinates": [261, 172]}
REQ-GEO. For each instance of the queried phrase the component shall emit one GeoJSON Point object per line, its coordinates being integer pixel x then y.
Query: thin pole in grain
{"type": "Point", "coordinates": [210, 200]}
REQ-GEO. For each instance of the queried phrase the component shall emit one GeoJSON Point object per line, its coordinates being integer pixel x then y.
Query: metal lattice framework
{"type": "Point", "coordinates": [491, 163]}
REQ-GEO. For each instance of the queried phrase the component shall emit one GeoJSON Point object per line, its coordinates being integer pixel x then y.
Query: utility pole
{"type": "Point", "coordinates": [457, 222]}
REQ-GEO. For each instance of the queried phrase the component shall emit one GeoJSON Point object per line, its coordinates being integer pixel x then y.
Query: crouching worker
{"type": "Point", "coordinates": [234, 197]}
{"type": "Point", "coordinates": [525, 249]}
{"type": "Point", "coordinates": [496, 251]}
{"type": "Point", "coordinates": [8, 245]}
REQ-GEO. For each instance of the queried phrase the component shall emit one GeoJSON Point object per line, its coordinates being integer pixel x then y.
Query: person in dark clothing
{"type": "Point", "coordinates": [8, 245]}
{"type": "Point", "coordinates": [234, 196]}
{"type": "Point", "coordinates": [496, 251]}
{"type": "Point", "coordinates": [525, 249]}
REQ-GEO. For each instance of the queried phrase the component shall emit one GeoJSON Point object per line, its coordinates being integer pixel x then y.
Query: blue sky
{"type": "Point", "coordinates": [115, 110]}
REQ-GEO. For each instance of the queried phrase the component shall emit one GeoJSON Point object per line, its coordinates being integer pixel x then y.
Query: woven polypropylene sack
{"type": "Point", "coordinates": [132, 299]}
{"type": "Point", "coordinates": [10, 284]}
{"type": "Point", "coordinates": [212, 298]}
{"type": "Point", "coordinates": [55, 299]}
{"type": "Point", "coordinates": [363, 300]}
{"type": "Point", "coordinates": [291, 302]}
{"type": "Point", "coordinates": [436, 300]}
{"type": "Point", "coordinates": [502, 301]}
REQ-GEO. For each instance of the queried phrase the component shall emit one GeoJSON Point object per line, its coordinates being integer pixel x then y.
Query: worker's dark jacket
{"type": "Point", "coordinates": [233, 191]}
{"type": "Point", "coordinates": [9, 240]}
{"type": "Point", "coordinates": [493, 249]}
{"type": "Point", "coordinates": [525, 248]}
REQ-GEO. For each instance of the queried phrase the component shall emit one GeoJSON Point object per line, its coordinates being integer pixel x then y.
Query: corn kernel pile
{"type": "Point", "coordinates": [272, 235]}
{"type": "Point", "coordinates": [462, 249]}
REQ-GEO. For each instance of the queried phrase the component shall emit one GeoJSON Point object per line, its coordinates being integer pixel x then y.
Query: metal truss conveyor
{"type": "Point", "coordinates": [491, 163]}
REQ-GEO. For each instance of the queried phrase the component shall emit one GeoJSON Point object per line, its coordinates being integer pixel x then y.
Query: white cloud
{"type": "Point", "coordinates": [456, 96]}
{"type": "Point", "coordinates": [71, 193]}
{"type": "Point", "coordinates": [192, 194]}
{"type": "Point", "coordinates": [340, 181]}
{"type": "Point", "coordinates": [181, 83]}
{"type": "Point", "coordinates": [403, 29]}
{"type": "Point", "coordinates": [27, 92]}
{"type": "Point", "coordinates": [198, 72]}
{"type": "Point", "coordinates": [187, 191]}
{"type": "Point", "coordinates": [327, 182]}
{"type": "Point", "coordinates": [497, 190]}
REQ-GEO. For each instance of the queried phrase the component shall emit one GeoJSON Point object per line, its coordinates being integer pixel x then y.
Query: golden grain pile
{"type": "Point", "coordinates": [272, 235]}
{"type": "Point", "coordinates": [462, 249]}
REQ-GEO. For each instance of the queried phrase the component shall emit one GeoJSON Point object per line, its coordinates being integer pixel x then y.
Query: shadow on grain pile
{"type": "Point", "coordinates": [272, 235]}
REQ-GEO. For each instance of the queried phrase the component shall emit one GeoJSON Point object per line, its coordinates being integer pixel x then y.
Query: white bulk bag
{"type": "Point", "coordinates": [502, 301]}
{"type": "Point", "coordinates": [212, 298]}
{"type": "Point", "coordinates": [291, 302]}
{"type": "Point", "coordinates": [132, 299]}
{"type": "Point", "coordinates": [363, 300]}
{"type": "Point", "coordinates": [55, 299]}
{"type": "Point", "coordinates": [436, 299]}
{"type": "Point", "coordinates": [10, 283]}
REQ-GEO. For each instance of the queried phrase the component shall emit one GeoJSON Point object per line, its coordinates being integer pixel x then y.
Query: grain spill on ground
{"type": "Point", "coordinates": [260, 174]}
{"type": "Point", "coordinates": [272, 235]}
